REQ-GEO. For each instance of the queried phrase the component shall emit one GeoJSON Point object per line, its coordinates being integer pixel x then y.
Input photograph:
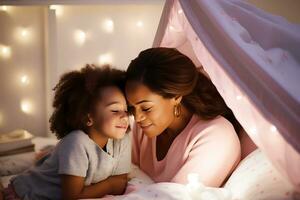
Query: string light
{"type": "Point", "coordinates": [23, 34]}
{"type": "Point", "coordinates": [238, 97]}
{"type": "Point", "coordinates": [253, 130]}
{"type": "Point", "coordinates": [80, 37]}
{"type": "Point", "coordinates": [3, 8]}
{"type": "Point", "coordinates": [108, 25]}
{"type": "Point", "coordinates": [26, 106]}
{"type": "Point", "coordinates": [105, 59]}
{"type": "Point", "coordinates": [24, 80]}
{"type": "Point", "coordinates": [5, 51]}
{"type": "Point", "coordinates": [139, 24]}
{"type": "Point", "coordinates": [273, 128]}
{"type": "Point", "coordinates": [172, 28]}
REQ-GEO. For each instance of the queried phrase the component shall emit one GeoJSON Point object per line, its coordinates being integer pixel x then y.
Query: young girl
{"type": "Point", "coordinates": [93, 157]}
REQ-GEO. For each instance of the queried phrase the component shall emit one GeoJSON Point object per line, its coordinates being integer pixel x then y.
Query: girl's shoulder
{"type": "Point", "coordinates": [125, 141]}
{"type": "Point", "coordinates": [76, 137]}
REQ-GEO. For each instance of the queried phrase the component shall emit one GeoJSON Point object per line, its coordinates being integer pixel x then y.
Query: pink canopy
{"type": "Point", "coordinates": [253, 58]}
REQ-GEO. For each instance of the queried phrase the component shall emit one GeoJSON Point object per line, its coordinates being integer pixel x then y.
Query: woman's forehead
{"type": "Point", "coordinates": [137, 93]}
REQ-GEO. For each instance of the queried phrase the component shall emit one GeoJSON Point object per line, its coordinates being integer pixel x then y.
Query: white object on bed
{"type": "Point", "coordinates": [256, 178]}
{"type": "Point", "coordinates": [14, 164]}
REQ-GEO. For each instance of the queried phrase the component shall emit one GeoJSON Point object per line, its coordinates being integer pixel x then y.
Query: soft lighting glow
{"type": "Point", "coordinates": [24, 80]}
{"type": "Point", "coordinates": [23, 34]}
{"type": "Point", "coordinates": [105, 59]}
{"type": "Point", "coordinates": [172, 28]}
{"type": "Point", "coordinates": [273, 128]}
{"type": "Point", "coordinates": [238, 97]}
{"type": "Point", "coordinates": [5, 51]}
{"type": "Point", "coordinates": [180, 11]}
{"type": "Point", "coordinates": [80, 37]}
{"type": "Point", "coordinates": [140, 24]}
{"type": "Point", "coordinates": [193, 178]}
{"type": "Point", "coordinates": [253, 130]}
{"type": "Point", "coordinates": [26, 106]}
{"type": "Point", "coordinates": [108, 25]}
{"type": "Point", "coordinates": [3, 8]}
{"type": "Point", "coordinates": [58, 9]}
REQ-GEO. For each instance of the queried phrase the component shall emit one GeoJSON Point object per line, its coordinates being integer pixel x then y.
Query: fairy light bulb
{"type": "Point", "coordinates": [253, 130]}
{"type": "Point", "coordinates": [105, 59]}
{"type": "Point", "coordinates": [273, 128]}
{"type": "Point", "coordinates": [24, 33]}
{"type": "Point", "coordinates": [108, 25]}
{"type": "Point", "coordinates": [24, 80]}
{"type": "Point", "coordinates": [140, 24]}
{"type": "Point", "coordinates": [80, 37]}
{"type": "Point", "coordinates": [26, 106]}
{"type": "Point", "coordinates": [238, 97]}
{"type": "Point", "coordinates": [3, 8]}
{"type": "Point", "coordinates": [5, 51]}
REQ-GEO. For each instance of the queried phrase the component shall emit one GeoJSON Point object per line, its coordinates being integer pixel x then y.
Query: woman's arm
{"type": "Point", "coordinates": [73, 187]}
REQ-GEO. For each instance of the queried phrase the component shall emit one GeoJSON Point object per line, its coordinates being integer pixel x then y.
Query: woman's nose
{"type": "Point", "coordinates": [138, 116]}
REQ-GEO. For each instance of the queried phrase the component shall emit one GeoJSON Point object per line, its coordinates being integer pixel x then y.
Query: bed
{"type": "Point", "coordinates": [255, 55]}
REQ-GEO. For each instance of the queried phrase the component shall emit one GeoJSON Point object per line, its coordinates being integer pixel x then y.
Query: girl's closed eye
{"type": "Point", "coordinates": [118, 111]}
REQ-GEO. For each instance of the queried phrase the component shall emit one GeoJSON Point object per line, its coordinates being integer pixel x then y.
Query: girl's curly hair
{"type": "Point", "coordinates": [76, 95]}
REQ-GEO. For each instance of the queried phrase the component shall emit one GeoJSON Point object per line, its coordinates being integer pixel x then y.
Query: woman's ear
{"type": "Point", "coordinates": [176, 100]}
{"type": "Point", "coordinates": [90, 120]}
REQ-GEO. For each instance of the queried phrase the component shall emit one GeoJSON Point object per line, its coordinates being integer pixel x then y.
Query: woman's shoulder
{"type": "Point", "coordinates": [218, 128]}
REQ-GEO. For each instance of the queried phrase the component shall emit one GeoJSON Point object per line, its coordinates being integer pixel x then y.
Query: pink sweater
{"type": "Point", "coordinates": [209, 148]}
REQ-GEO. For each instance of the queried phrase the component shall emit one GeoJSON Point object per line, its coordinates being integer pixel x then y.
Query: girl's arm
{"type": "Point", "coordinates": [73, 187]}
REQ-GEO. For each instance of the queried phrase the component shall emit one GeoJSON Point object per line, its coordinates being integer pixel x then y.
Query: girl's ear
{"type": "Point", "coordinates": [90, 121]}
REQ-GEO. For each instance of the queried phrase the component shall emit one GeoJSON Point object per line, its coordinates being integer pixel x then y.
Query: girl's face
{"type": "Point", "coordinates": [152, 112]}
{"type": "Point", "coordinates": [110, 117]}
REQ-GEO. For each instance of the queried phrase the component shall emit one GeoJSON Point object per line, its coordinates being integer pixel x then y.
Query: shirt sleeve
{"type": "Point", "coordinates": [213, 156]}
{"type": "Point", "coordinates": [124, 159]}
{"type": "Point", "coordinates": [72, 155]}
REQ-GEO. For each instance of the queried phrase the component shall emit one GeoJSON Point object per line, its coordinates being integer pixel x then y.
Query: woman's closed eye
{"type": "Point", "coordinates": [146, 109]}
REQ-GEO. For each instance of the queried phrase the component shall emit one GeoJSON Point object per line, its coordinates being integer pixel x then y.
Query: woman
{"type": "Point", "coordinates": [180, 125]}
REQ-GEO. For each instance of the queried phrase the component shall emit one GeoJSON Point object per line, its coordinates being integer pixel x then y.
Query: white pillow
{"type": "Point", "coordinates": [256, 178]}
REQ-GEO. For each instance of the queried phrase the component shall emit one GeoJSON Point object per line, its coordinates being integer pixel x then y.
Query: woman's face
{"type": "Point", "coordinates": [110, 117]}
{"type": "Point", "coordinates": [152, 112]}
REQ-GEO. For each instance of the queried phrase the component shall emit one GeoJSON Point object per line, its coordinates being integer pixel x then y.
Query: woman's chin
{"type": "Point", "coordinates": [150, 134]}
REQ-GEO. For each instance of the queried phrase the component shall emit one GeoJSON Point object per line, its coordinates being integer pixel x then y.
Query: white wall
{"type": "Point", "coordinates": [26, 58]}
{"type": "Point", "coordinates": [52, 49]}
